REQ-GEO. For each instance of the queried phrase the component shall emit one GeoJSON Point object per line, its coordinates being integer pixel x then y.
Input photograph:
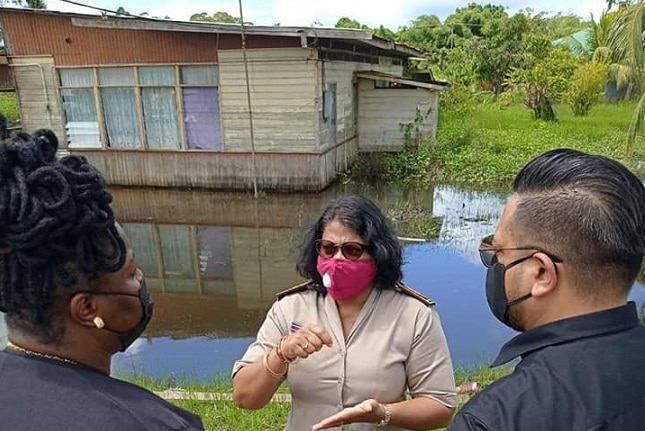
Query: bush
{"type": "Point", "coordinates": [9, 106]}
{"type": "Point", "coordinates": [586, 87]}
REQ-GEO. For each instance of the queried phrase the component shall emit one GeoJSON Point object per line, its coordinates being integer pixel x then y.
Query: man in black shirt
{"type": "Point", "coordinates": [565, 255]}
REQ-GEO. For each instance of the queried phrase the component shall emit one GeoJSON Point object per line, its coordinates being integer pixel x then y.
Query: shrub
{"type": "Point", "coordinates": [586, 87]}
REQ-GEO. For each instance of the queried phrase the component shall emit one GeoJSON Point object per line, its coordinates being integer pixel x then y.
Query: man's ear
{"type": "Point", "coordinates": [546, 275]}
{"type": "Point", "coordinates": [83, 308]}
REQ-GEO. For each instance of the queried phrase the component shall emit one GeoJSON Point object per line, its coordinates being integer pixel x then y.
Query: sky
{"type": "Point", "coordinates": [392, 14]}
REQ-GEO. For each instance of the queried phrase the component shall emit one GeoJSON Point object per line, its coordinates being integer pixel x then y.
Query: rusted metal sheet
{"type": "Point", "coordinates": [47, 33]}
{"type": "Point", "coordinates": [6, 77]}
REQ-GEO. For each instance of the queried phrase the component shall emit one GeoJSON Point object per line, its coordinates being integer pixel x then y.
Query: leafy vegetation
{"type": "Point", "coordinates": [33, 4]}
{"type": "Point", "coordinates": [586, 87]}
{"type": "Point", "coordinates": [9, 106]}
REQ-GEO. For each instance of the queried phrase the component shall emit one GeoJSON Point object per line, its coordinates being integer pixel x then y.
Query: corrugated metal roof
{"type": "Point", "coordinates": [380, 76]}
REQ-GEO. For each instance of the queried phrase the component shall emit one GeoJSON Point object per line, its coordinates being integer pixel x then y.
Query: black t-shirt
{"type": "Point", "coordinates": [38, 394]}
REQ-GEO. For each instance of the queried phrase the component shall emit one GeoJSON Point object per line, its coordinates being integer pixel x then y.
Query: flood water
{"type": "Point", "coordinates": [215, 261]}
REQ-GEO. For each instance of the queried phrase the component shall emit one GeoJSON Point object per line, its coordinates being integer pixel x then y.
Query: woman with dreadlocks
{"type": "Point", "coordinates": [72, 295]}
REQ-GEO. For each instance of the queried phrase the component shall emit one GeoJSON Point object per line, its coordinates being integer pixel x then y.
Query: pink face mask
{"type": "Point", "coordinates": [346, 279]}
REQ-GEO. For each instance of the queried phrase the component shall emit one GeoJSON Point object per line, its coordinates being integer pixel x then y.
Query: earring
{"type": "Point", "coordinates": [98, 322]}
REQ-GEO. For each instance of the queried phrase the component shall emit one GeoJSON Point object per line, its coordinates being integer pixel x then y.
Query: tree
{"type": "Point", "coordinates": [545, 76]}
{"type": "Point", "coordinates": [385, 33]}
{"type": "Point", "coordinates": [474, 18]}
{"type": "Point", "coordinates": [33, 4]}
{"type": "Point", "coordinates": [497, 51]}
{"type": "Point", "coordinates": [346, 22]}
{"type": "Point", "coordinates": [626, 39]}
{"type": "Point", "coordinates": [428, 34]}
{"type": "Point", "coordinates": [219, 17]}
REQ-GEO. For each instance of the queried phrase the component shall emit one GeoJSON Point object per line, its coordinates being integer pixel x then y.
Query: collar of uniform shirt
{"type": "Point", "coordinates": [564, 331]}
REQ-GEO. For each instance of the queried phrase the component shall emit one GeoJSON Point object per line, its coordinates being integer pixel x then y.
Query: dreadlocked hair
{"type": "Point", "coordinates": [56, 229]}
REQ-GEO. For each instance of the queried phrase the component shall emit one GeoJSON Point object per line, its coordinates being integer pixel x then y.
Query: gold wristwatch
{"type": "Point", "coordinates": [387, 415]}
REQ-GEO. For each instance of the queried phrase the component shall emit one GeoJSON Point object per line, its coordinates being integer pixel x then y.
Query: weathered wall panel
{"type": "Point", "coordinates": [341, 73]}
{"type": "Point", "coordinates": [225, 171]}
{"type": "Point", "coordinates": [38, 96]}
{"type": "Point", "coordinates": [383, 113]}
{"type": "Point", "coordinates": [282, 84]}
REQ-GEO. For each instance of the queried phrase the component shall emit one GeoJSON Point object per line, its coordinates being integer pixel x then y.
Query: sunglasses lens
{"type": "Point", "coordinates": [352, 250]}
{"type": "Point", "coordinates": [488, 256]}
{"type": "Point", "coordinates": [327, 249]}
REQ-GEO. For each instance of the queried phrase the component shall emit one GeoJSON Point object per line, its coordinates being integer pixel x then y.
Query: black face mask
{"type": "Point", "coordinates": [496, 291]}
{"type": "Point", "coordinates": [147, 303]}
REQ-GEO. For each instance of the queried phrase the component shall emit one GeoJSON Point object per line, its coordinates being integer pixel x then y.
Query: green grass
{"type": "Point", "coordinates": [485, 144]}
{"type": "Point", "coordinates": [9, 106]}
{"type": "Point", "coordinates": [225, 416]}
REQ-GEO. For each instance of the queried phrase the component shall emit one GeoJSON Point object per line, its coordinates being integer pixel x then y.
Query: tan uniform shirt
{"type": "Point", "coordinates": [397, 343]}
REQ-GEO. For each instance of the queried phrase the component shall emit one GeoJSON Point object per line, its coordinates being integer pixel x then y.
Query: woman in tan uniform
{"type": "Point", "coordinates": [353, 339]}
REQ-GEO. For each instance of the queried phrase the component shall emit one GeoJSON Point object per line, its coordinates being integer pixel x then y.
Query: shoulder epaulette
{"type": "Point", "coordinates": [294, 289]}
{"type": "Point", "coordinates": [407, 290]}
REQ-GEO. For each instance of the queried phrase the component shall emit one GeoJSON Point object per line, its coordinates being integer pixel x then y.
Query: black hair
{"type": "Point", "coordinates": [56, 230]}
{"type": "Point", "coordinates": [364, 217]}
{"type": "Point", "coordinates": [587, 209]}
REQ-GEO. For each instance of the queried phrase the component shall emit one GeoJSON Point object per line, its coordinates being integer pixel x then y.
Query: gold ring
{"type": "Point", "coordinates": [305, 346]}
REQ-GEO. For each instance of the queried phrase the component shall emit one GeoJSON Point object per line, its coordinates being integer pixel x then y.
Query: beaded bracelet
{"type": "Point", "coordinates": [267, 367]}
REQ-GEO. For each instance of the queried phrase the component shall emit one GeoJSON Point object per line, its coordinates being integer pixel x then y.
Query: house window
{"type": "Point", "coordinates": [200, 106]}
{"type": "Point", "coordinates": [147, 107]}
{"type": "Point", "coordinates": [159, 101]}
{"type": "Point", "coordinates": [82, 124]}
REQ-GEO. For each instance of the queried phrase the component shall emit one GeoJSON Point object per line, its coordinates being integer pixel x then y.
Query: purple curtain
{"type": "Point", "coordinates": [201, 116]}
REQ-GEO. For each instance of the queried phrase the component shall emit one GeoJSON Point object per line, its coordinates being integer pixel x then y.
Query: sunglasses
{"type": "Point", "coordinates": [488, 252]}
{"type": "Point", "coordinates": [351, 250]}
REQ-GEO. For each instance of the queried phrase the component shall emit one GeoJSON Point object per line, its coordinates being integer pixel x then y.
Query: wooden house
{"type": "Point", "coordinates": [181, 104]}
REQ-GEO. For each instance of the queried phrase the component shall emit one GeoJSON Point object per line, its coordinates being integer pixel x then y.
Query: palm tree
{"type": "Point", "coordinates": [626, 40]}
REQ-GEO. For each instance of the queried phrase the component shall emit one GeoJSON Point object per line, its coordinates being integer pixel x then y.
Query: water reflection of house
{"type": "Point", "coordinates": [215, 261]}
{"type": "Point", "coordinates": [164, 103]}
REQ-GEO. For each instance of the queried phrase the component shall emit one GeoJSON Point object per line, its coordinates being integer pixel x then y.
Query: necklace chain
{"type": "Point", "coordinates": [12, 346]}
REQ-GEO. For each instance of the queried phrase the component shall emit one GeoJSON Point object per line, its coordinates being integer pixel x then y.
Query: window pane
{"type": "Point", "coordinates": [143, 244]}
{"type": "Point", "coordinates": [176, 250]}
{"type": "Point", "coordinates": [201, 116]}
{"type": "Point", "coordinates": [199, 75]}
{"type": "Point", "coordinates": [116, 76]}
{"type": "Point", "coordinates": [215, 252]}
{"type": "Point", "coordinates": [76, 77]}
{"type": "Point", "coordinates": [157, 76]}
{"type": "Point", "coordinates": [160, 117]}
{"type": "Point", "coordinates": [120, 117]}
{"type": "Point", "coordinates": [81, 124]}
